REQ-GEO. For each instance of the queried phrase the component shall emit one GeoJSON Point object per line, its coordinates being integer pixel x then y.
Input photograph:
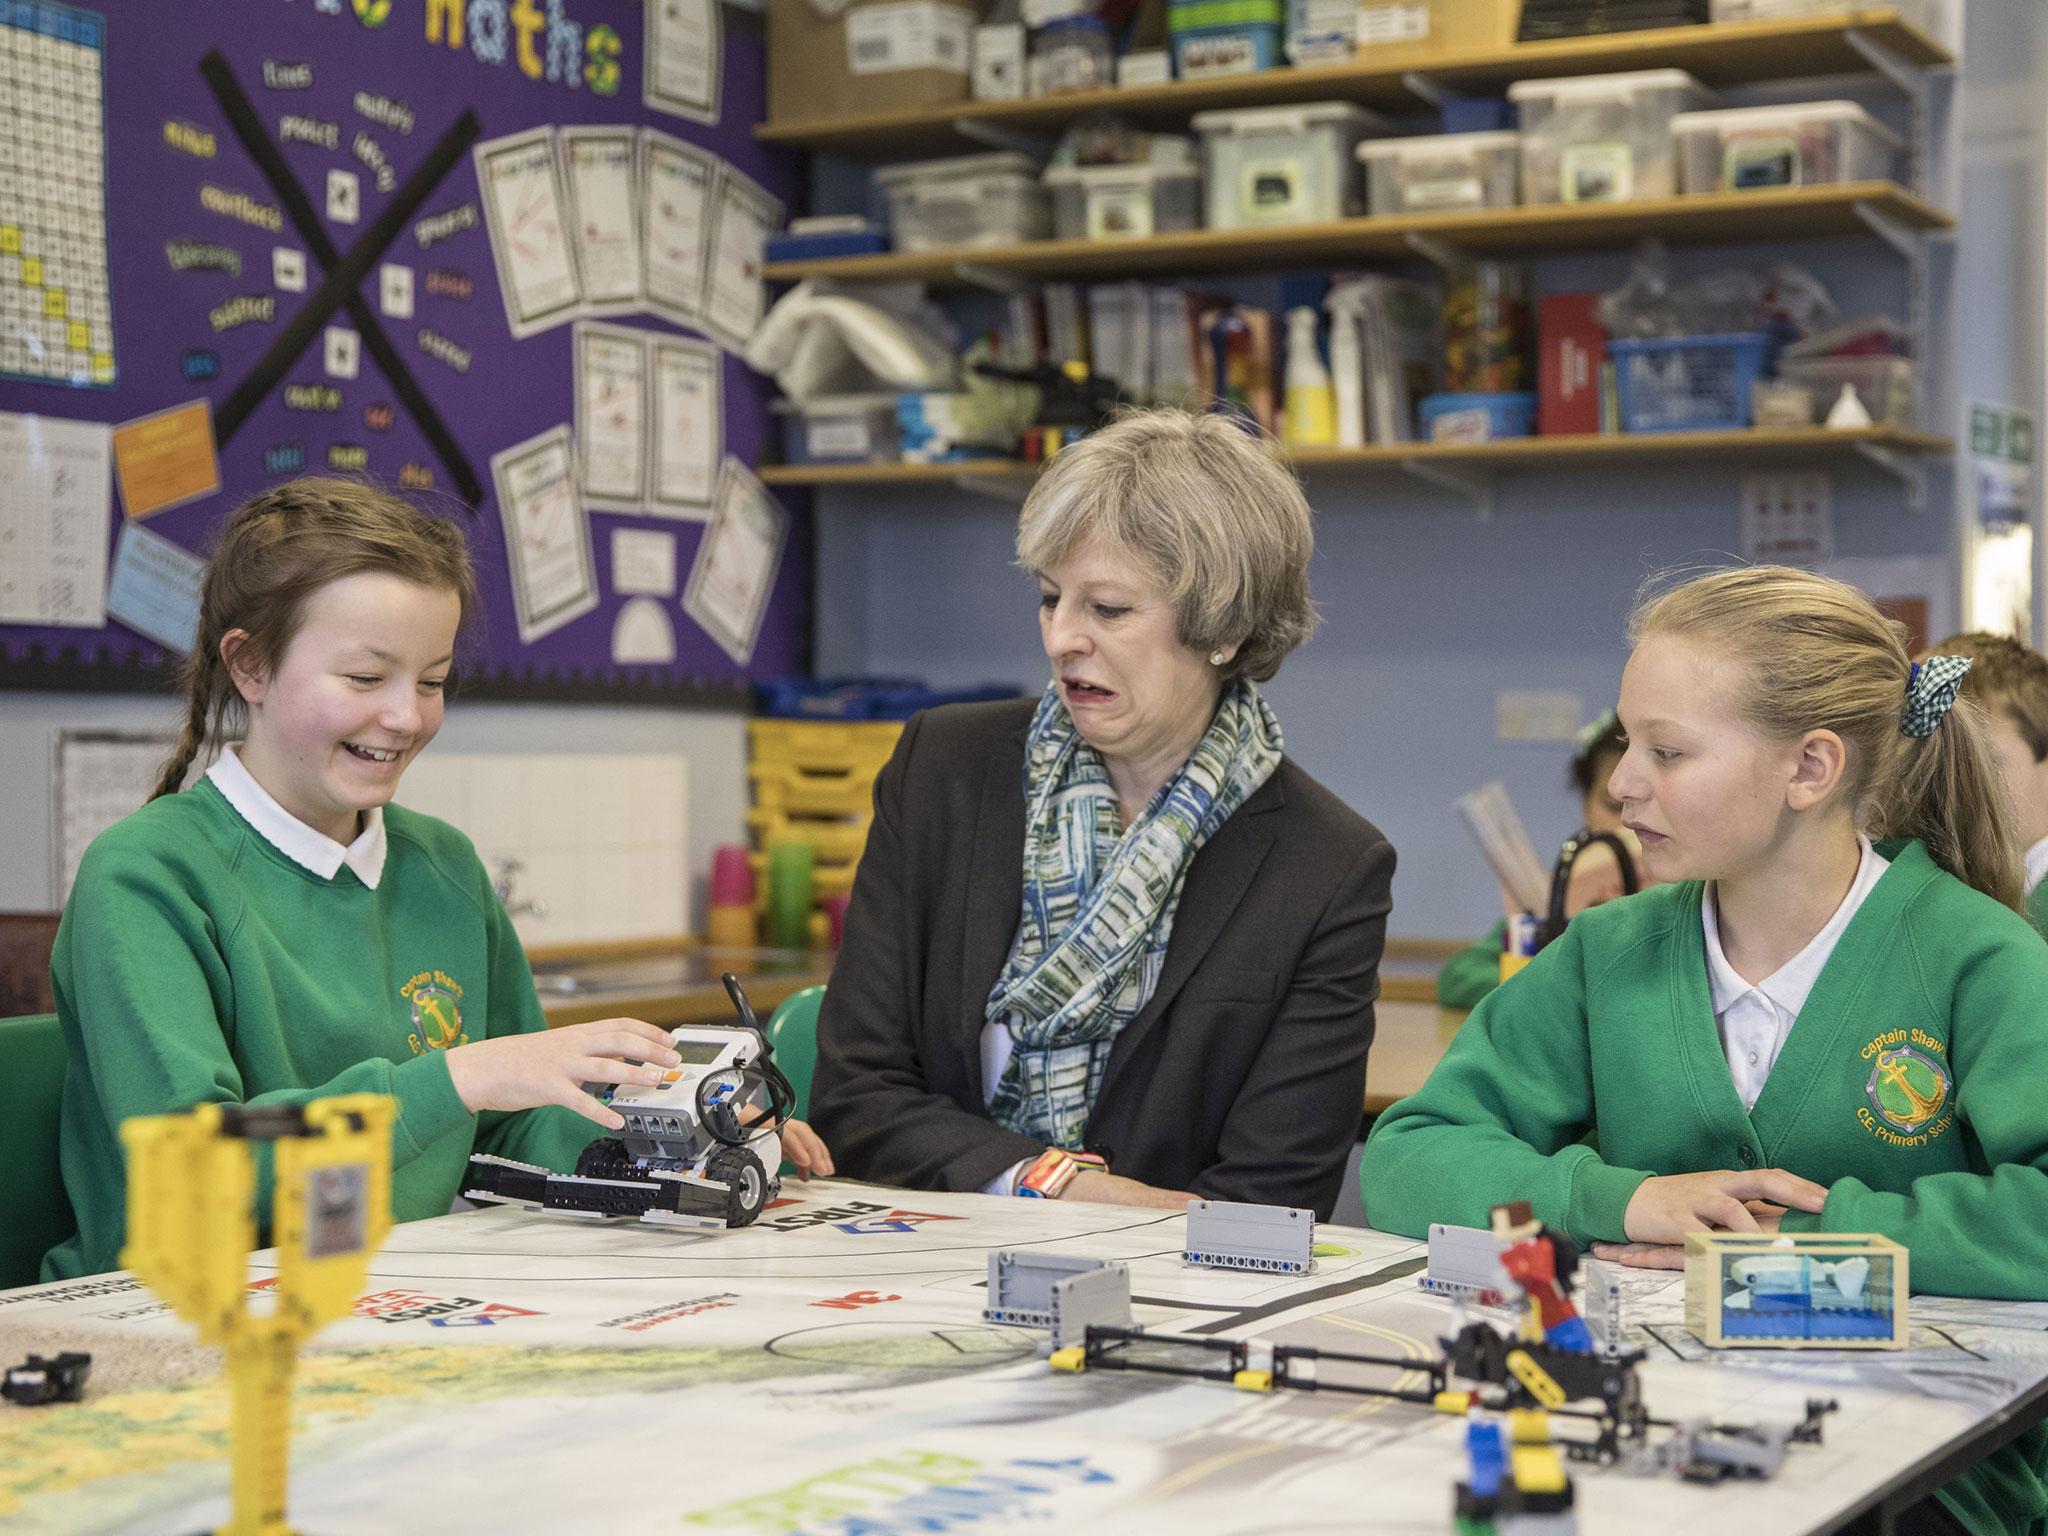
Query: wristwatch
{"type": "Point", "coordinates": [1053, 1170]}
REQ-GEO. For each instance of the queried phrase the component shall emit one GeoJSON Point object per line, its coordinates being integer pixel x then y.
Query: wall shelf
{"type": "Point", "coordinates": [1727, 53]}
{"type": "Point", "coordinates": [1713, 218]}
{"type": "Point", "coordinates": [1647, 449]}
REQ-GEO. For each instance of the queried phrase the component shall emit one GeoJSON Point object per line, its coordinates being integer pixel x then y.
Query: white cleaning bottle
{"type": "Point", "coordinates": [1309, 412]}
{"type": "Point", "coordinates": [1347, 367]}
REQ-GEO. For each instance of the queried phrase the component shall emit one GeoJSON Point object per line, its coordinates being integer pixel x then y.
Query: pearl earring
{"type": "Point", "coordinates": [1216, 658]}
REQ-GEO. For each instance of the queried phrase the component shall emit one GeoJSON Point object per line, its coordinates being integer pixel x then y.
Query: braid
{"type": "Point", "coordinates": [199, 685]}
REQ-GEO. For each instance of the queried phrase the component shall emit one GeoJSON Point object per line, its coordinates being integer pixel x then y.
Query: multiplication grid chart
{"type": "Point", "coordinates": [56, 321]}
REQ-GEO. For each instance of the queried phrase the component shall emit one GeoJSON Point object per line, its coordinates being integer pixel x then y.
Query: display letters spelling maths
{"type": "Point", "coordinates": [539, 38]}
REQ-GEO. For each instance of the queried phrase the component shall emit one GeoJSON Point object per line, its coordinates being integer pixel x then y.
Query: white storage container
{"type": "Point", "coordinates": [1283, 165]}
{"type": "Point", "coordinates": [1817, 144]}
{"type": "Point", "coordinates": [1124, 202]}
{"type": "Point", "coordinates": [1883, 384]}
{"type": "Point", "coordinates": [840, 429]}
{"type": "Point", "coordinates": [967, 200]}
{"type": "Point", "coordinates": [1445, 170]}
{"type": "Point", "coordinates": [1914, 11]}
{"type": "Point", "coordinates": [1602, 138]}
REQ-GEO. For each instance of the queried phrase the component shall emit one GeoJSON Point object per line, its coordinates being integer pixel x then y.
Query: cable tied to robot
{"type": "Point", "coordinates": [723, 1095]}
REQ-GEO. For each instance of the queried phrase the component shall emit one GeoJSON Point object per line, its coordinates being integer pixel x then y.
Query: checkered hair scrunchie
{"type": "Point", "coordinates": [1930, 689]}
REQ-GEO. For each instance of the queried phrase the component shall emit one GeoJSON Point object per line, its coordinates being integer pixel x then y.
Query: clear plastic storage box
{"type": "Point", "coordinates": [1125, 202]}
{"type": "Point", "coordinates": [966, 200]}
{"type": "Point", "coordinates": [1283, 165]}
{"type": "Point", "coordinates": [840, 429]}
{"type": "Point", "coordinates": [1445, 170]}
{"type": "Point", "coordinates": [1603, 138]}
{"type": "Point", "coordinates": [1816, 144]}
{"type": "Point", "coordinates": [1883, 384]}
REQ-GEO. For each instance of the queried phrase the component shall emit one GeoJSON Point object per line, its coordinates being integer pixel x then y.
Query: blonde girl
{"type": "Point", "coordinates": [1830, 1018]}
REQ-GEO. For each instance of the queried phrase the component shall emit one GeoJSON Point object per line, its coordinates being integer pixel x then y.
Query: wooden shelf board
{"type": "Point", "coordinates": [1520, 452]}
{"type": "Point", "coordinates": [1729, 53]}
{"type": "Point", "coordinates": [1792, 213]}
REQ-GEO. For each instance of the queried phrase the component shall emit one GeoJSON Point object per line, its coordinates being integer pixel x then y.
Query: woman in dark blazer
{"type": "Point", "coordinates": [1110, 944]}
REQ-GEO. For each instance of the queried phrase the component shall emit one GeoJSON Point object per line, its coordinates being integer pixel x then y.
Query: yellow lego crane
{"type": "Point", "coordinates": [192, 1225]}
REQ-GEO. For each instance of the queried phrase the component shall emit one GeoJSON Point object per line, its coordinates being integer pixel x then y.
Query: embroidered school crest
{"type": "Point", "coordinates": [436, 999]}
{"type": "Point", "coordinates": [1910, 1092]}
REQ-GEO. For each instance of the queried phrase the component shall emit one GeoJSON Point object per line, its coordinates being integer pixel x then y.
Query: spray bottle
{"type": "Point", "coordinates": [1347, 362]}
{"type": "Point", "coordinates": [1309, 413]}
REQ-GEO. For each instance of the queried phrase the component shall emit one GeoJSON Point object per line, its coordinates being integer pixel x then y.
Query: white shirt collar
{"type": "Point", "coordinates": [1788, 986]}
{"type": "Point", "coordinates": [2037, 864]}
{"type": "Point", "coordinates": [290, 836]}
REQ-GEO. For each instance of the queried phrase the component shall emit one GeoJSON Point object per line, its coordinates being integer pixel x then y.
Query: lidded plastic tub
{"type": "Point", "coordinates": [1125, 202]}
{"type": "Point", "coordinates": [1817, 144]}
{"type": "Point", "coordinates": [966, 200]}
{"type": "Point", "coordinates": [1445, 170]}
{"type": "Point", "coordinates": [1283, 165]}
{"type": "Point", "coordinates": [1603, 138]}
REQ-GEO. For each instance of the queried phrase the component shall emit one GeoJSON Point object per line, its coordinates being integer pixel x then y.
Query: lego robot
{"type": "Point", "coordinates": [699, 1149]}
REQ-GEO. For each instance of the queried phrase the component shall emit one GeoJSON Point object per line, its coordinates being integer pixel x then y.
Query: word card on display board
{"type": "Point", "coordinates": [500, 255]}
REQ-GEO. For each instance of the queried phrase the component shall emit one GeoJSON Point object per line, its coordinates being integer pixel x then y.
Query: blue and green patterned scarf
{"type": "Point", "coordinates": [1099, 901]}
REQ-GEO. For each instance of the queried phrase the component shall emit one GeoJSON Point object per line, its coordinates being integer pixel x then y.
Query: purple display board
{"type": "Point", "coordinates": [379, 89]}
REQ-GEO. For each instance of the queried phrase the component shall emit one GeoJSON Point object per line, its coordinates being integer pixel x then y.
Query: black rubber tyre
{"type": "Point", "coordinates": [740, 1169]}
{"type": "Point", "coordinates": [604, 1158]}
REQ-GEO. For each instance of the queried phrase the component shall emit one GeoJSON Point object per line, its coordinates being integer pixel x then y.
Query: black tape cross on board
{"type": "Point", "coordinates": [344, 274]}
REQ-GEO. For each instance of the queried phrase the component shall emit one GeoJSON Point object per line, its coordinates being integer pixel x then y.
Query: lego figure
{"type": "Point", "coordinates": [1542, 1263]}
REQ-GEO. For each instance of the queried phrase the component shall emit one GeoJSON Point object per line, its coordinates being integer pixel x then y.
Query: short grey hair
{"type": "Point", "coordinates": [1213, 512]}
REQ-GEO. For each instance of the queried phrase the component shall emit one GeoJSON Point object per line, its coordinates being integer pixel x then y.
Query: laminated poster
{"type": "Point", "coordinates": [611, 415]}
{"type": "Point", "coordinates": [55, 504]}
{"type": "Point", "coordinates": [684, 60]}
{"type": "Point", "coordinates": [644, 561]}
{"type": "Point", "coordinates": [688, 437]}
{"type": "Point", "coordinates": [743, 218]}
{"type": "Point", "coordinates": [523, 206]}
{"type": "Point", "coordinates": [547, 537]}
{"type": "Point", "coordinates": [598, 178]}
{"type": "Point", "coordinates": [737, 559]}
{"type": "Point", "coordinates": [675, 206]}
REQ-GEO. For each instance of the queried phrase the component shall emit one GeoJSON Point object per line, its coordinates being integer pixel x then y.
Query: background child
{"type": "Point", "coordinates": [1472, 973]}
{"type": "Point", "coordinates": [1804, 1031]}
{"type": "Point", "coordinates": [279, 932]}
{"type": "Point", "coordinates": [2009, 683]}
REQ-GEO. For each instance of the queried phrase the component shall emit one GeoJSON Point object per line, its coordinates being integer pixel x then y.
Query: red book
{"type": "Point", "coordinates": [1571, 345]}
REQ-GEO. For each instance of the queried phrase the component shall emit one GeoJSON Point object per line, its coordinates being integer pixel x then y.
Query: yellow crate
{"type": "Point", "coordinates": [832, 842]}
{"type": "Point", "coordinates": [789, 791]}
{"type": "Point", "coordinates": [842, 746]}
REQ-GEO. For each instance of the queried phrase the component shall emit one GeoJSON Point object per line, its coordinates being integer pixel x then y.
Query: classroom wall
{"type": "Point", "coordinates": [1430, 611]}
{"type": "Point", "coordinates": [714, 743]}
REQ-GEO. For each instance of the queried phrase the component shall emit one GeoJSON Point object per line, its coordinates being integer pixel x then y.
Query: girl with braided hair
{"type": "Point", "coordinates": [280, 931]}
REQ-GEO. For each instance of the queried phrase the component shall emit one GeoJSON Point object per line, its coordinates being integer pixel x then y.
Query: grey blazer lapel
{"type": "Point", "coordinates": [1222, 872]}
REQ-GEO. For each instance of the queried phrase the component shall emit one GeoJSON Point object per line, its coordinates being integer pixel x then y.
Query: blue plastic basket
{"type": "Point", "coordinates": [1688, 383]}
{"type": "Point", "coordinates": [865, 698]}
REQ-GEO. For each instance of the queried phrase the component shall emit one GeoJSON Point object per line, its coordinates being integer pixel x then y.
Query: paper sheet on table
{"type": "Point", "coordinates": [685, 58]}
{"type": "Point", "coordinates": [734, 571]}
{"type": "Point", "coordinates": [554, 579]}
{"type": "Point", "coordinates": [154, 589]}
{"type": "Point", "coordinates": [55, 503]}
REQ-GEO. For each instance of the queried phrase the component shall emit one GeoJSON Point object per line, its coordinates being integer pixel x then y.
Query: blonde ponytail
{"type": "Point", "coordinates": [1820, 656]}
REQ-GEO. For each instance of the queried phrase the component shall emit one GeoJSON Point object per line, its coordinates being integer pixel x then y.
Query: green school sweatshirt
{"type": "Point", "coordinates": [1472, 973]}
{"type": "Point", "coordinates": [2037, 908]}
{"type": "Point", "coordinates": [1931, 1005]}
{"type": "Point", "coordinates": [197, 963]}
